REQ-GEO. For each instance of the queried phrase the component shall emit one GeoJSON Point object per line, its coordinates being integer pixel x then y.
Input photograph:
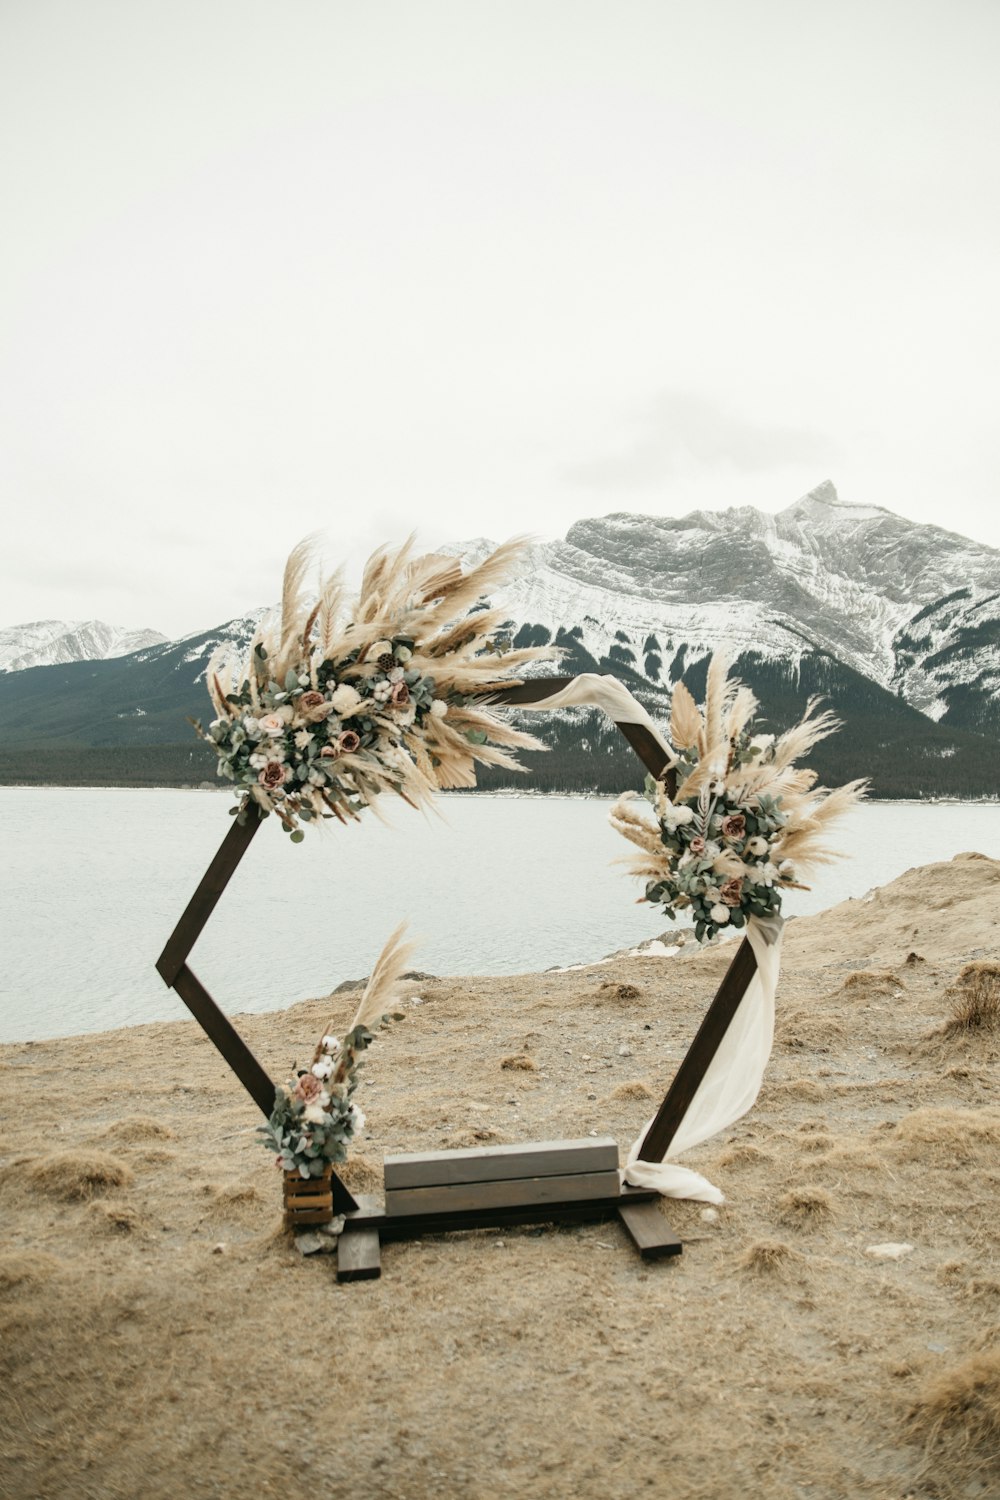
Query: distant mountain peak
{"type": "Point", "coordinates": [53, 643]}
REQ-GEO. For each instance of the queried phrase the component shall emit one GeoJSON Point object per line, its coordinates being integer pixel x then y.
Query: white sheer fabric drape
{"type": "Point", "coordinates": [734, 1076]}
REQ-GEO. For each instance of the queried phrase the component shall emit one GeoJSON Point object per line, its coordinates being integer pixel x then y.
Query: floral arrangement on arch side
{"type": "Point", "coordinates": [745, 821]}
{"type": "Point", "coordinates": [314, 1116]}
{"type": "Point", "coordinates": [338, 702]}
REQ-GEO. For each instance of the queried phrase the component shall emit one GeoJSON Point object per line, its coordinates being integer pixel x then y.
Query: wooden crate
{"type": "Point", "coordinates": [308, 1200]}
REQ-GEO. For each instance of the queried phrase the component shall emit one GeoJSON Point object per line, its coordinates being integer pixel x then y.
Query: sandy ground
{"type": "Point", "coordinates": [161, 1336]}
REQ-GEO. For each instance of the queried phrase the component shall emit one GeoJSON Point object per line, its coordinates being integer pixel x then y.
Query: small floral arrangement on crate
{"type": "Point", "coordinates": [744, 822]}
{"type": "Point", "coordinates": [336, 703]}
{"type": "Point", "coordinates": [314, 1117]}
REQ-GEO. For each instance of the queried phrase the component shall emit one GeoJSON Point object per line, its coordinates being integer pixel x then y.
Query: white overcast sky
{"type": "Point", "coordinates": [477, 267]}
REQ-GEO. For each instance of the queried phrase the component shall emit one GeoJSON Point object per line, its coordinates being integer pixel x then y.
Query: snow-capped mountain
{"type": "Point", "coordinates": [897, 625]}
{"type": "Point", "coordinates": [48, 643]}
{"type": "Point", "coordinates": [914, 608]}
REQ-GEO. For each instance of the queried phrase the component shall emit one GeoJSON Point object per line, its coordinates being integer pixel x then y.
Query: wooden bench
{"type": "Point", "coordinates": [542, 1182]}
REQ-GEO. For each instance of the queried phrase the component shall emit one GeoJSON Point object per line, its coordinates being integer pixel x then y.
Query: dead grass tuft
{"type": "Point", "coordinates": [799, 1088]}
{"type": "Point", "coordinates": [474, 1135]}
{"type": "Point", "coordinates": [28, 1269]}
{"type": "Point", "coordinates": [958, 1415]}
{"type": "Point", "coordinates": [119, 1218]}
{"type": "Point", "coordinates": [804, 1208]}
{"type": "Point", "coordinates": [614, 991]}
{"type": "Point", "coordinates": [873, 982]}
{"type": "Point", "coordinates": [948, 1137]}
{"type": "Point", "coordinates": [241, 1202]}
{"type": "Point", "coordinates": [76, 1175]}
{"type": "Point", "coordinates": [770, 1258]}
{"type": "Point", "coordinates": [360, 1175]}
{"type": "Point", "coordinates": [137, 1129]}
{"type": "Point", "coordinates": [975, 1000]}
{"type": "Point", "coordinates": [636, 1089]}
{"type": "Point", "coordinates": [743, 1155]}
{"type": "Point", "coordinates": [519, 1062]}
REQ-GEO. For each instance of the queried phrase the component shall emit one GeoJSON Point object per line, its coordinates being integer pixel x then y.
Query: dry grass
{"type": "Point", "coordinates": [74, 1175]}
{"type": "Point", "coordinates": [137, 1360]}
{"type": "Point", "coordinates": [957, 1416]}
{"type": "Point", "coordinates": [636, 1089]}
{"type": "Point", "coordinates": [770, 1258]}
{"type": "Point", "coordinates": [137, 1130]}
{"type": "Point", "coordinates": [872, 983]}
{"type": "Point", "coordinates": [805, 1207]}
{"type": "Point", "coordinates": [519, 1062]}
{"type": "Point", "coordinates": [610, 990]}
{"type": "Point", "coordinates": [975, 1000]}
{"type": "Point", "coordinates": [743, 1155]}
{"type": "Point", "coordinates": [22, 1268]}
{"type": "Point", "coordinates": [946, 1137]}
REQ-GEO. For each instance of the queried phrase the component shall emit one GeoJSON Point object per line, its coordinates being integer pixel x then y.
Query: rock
{"type": "Point", "coordinates": [624, 1050]}
{"type": "Point", "coordinates": [888, 1251]}
{"type": "Point", "coordinates": [219, 1249]}
{"type": "Point", "coordinates": [709, 1216]}
{"type": "Point", "coordinates": [321, 1239]}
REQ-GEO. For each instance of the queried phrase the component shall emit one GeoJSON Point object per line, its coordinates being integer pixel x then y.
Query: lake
{"type": "Point", "coordinates": [93, 881]}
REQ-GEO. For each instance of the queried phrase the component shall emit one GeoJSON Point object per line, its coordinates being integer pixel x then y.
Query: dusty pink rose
{"type": "Point", "coordinates": [308, 1088]}
{"type": "Point", "coordinates": [697, 844]}
{"type": "Point", "coordinates": [348, 742]}
{"type": "Point", "coordinates": [734, 826]}
{"type": "Point", "coordinates": [272, 776]}
{"type": "Point", "coordinates": [314, 707]}
{"type": "Point", "coordinates": [400, 695]}
{"type": "Point", "coordinates": [328, 752]}
{"type": "Point", "coordinates": [732, 892]}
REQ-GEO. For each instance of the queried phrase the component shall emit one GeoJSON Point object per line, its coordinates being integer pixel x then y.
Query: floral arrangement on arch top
{"type": "Point", "coordinates": [337, 702]}
{"type": "Point", "coordinates": [745, 822]}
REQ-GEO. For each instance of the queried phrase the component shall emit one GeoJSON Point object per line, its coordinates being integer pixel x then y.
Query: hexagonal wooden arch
{"type": "Point", "coordinates": [529, 1198]}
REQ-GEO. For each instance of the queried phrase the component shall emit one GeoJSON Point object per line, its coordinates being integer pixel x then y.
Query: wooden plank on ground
{"type": "Point", "coordinates": [461, 1196]}
{"type": "Point", "coordinates": [649, 1230]}
{"type": "Point", "coordinates": [359, 1255]}
{"type": "Point", "coordinates": [426, 1169]}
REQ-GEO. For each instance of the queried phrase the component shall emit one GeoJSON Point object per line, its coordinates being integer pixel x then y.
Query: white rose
{"type": "Point", "coordinates": [403, 653]}
{"type": "Point", "coordinates": [719, 915]}
{"type": "Point", "coordinates": [346, 700]}
{"type": "Point", "coordinates": [272, 723]}
{"type": "Point", "coordinates": [396, 675]}
{"type": "Point", "coordinates": [439, 708]}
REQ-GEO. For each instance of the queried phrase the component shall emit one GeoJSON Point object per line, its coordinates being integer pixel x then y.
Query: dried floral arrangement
{"type": "Point", "coordinates": [314, 1115]}
{"type": "Point", "coordinates": [745, 821]}
{"type": "Point", "coordinates": [337, 702]}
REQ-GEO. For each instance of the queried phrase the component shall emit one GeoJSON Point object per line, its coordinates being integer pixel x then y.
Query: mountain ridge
{"type": "Point", "coordinates": [825, 595]}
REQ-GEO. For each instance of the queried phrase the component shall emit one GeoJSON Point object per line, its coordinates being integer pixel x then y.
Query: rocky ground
{"type": "Point", "coordinates": [160, 1335]}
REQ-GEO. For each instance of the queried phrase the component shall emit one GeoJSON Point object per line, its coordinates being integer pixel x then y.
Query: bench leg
{"type": "Point", "coordinates": [359, 1255]}
{"type": "Point", "coordinates": [648, 1230]}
